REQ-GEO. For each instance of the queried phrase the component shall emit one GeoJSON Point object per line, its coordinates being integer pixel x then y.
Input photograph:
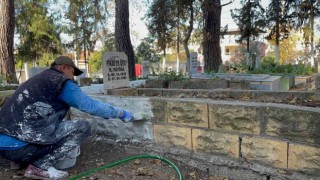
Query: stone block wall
{"type": "Point", "coordinates": [237, 139]}
{"type": "Point", "coordinates": [265, 96]}
{"type": "Point", "coordinates": [198, 84]}
{"type": "Point", "coordinates": [280, 136]}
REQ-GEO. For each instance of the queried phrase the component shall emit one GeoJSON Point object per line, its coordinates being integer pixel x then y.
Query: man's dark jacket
{"type": "Point", "coordinates": [34, 111]}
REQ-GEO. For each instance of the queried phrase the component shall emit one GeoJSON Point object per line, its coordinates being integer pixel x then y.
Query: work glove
{"type": "Point", "coordinates": [127, 116]}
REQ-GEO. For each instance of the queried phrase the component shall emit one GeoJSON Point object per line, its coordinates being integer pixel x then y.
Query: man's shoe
{"type": "Point", "coordinates": [50, 174]}
{"type": "Point", "coordinates": [15, 166]}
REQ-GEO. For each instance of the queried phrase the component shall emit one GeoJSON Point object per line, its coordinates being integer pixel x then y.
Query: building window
{"type": "Point", "coordinates": [227, 51]}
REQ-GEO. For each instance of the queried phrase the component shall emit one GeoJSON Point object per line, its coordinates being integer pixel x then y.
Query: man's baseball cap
{"type": "Point", "coordinates": [68, 61]}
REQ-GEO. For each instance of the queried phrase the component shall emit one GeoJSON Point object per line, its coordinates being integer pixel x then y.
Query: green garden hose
{"type": "Point", "coordinates": [129, 159]}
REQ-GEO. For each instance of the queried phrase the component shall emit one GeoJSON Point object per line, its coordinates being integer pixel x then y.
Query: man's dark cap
{"type": "Point", "coordinates": [68, 61]}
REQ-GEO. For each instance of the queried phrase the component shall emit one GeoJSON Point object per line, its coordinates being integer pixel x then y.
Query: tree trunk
{"type": "Point", "coordinates": [6, 40]}
{"type": "Point", "coordinates": [277, 32]}
{"type": "Point", "coordinates": [188, 35]}
{"type": "Point", "coordinates": [211, 36]}
{"type": "Point", "coordinates": [122, 34]}
{"type": "Point", "coordinates": [313, 59]}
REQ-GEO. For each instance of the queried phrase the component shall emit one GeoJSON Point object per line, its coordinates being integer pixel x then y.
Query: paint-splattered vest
{"type": "Point", "coordinates": [33, 112]}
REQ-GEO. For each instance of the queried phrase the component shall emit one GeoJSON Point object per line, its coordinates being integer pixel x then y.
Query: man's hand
{"type": "Point", "coordinates": [126, 116]}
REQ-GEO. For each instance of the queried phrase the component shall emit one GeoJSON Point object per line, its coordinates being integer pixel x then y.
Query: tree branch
{"type": "Point", "coordinates": [231, 1]}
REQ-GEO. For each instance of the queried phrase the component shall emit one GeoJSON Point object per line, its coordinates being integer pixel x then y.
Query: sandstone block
{"type": "Point", "coordinates": [271, 96]}
{"type": "Point", "coordinates": [187, 113]}
{"type": "Point", "coordinates": [149, 92]}
{"type": "Point", "coordinates": [155, 83]}
{"type": "Point", "coordinates": [176, 93]}
{"type": "Point", "coordinates": [123, 92]}
{"type": "Point", "coordinates": [172, 136]}
{"type": "Point", "coordinates": [303, 158]}
{"type": "Point", "coordinates": [158, 110]}
{"type": "Point", "coordinates": [177, 84]}
{"type": "Point", "coordinates": [265, 151]}
{"type": "Point", "coordinates": [184, 93]}
{"type": "Point", "coordinates": [215, 142]}
{"type": "Point", "coordinates": [299, 123]}
{"type": "Point", "coordinates": [235, 118]}
{"type": "Point", "coordinates": [217, 84]}
{"type": "Point", "coordinates": [239, 84]}
{"type": "Point", "coordinates": [196, 84]}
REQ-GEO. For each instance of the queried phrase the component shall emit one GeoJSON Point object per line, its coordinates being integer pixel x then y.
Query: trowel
{"type": "Point", "coordinates": [140, 117]}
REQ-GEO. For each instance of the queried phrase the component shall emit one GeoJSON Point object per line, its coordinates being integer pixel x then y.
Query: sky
{"type": "Point", "coordinates": [226, 19]}
{"type": "Point", "coordinates": [137, 26]}
{"type": "Point", "coordinates": [139, 30]}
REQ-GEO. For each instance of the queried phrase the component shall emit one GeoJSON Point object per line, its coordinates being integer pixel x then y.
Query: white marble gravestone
{"type": "Point", "coordinates": [193, 63]}
{"type": "Point", "coordinates": [115, 70]}
{"type": "Point", "coordinates": [145, 68]}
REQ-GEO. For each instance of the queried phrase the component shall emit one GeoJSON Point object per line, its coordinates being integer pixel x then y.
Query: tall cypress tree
{"type": "Point", "coordinates": [251, 21]}
{"type": "Point", "coordinates": [87, 20]}
{"type": "Point", "coordinates": [37, 31]}
{"type": "Point", "coordinates": [279, 19]}
{"type": "Point", "coordinates": [160, 23]}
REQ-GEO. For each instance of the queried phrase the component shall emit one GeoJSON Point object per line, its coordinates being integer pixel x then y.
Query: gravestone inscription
{"type": "Point", "coordinates": [193, 61]}
{"type": "Point", "coordinates": [115, 70]}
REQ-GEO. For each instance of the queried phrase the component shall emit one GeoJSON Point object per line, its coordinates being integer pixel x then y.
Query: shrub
{"type": "Point", "coordinates": [172, 76]}
{"type": "Point", "coordinates": [298, 69]}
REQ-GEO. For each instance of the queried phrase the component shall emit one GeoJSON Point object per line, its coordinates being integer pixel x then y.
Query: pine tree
{"type": "Point", "coordinates": [251, 22]}
{"type": "Point", "coordinates": [87, 19]}
{"type": "Point", "coordinates": [7, 20]}
{"type": "Point", "coordinates": [122, 33]}
{"type": "Point", "coordinates": [211, 34]}
{"type": "Point", "coordinates": [38, 33]}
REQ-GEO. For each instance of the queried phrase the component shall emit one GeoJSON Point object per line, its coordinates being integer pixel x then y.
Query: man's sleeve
{"type": "Point", "coordinates": [75, 97]}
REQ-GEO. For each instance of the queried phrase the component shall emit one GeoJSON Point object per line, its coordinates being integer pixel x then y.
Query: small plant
{"type": "Point", "coordinates": [3, 79]}
{"type": "Point", "coordinates": [268, 66]}
{"type": "Point", "coordinates": [168, 75]}
{"type": "Point", "coordinates": [209, 72]}
{"type": "Point", "coordinates": [298, 69]}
